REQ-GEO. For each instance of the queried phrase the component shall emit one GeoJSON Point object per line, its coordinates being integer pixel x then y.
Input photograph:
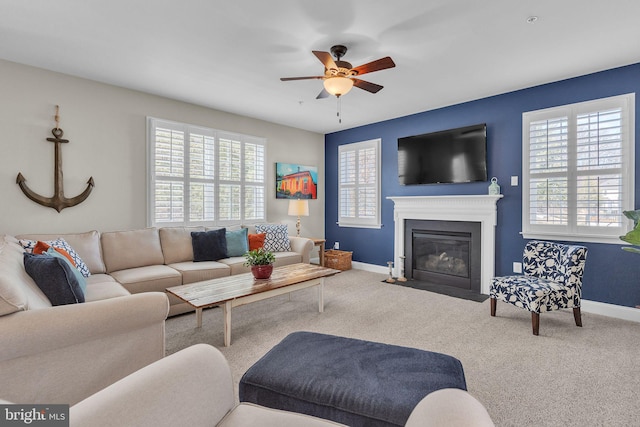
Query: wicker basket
{"type": "Point", "coordinates": [338, 260]}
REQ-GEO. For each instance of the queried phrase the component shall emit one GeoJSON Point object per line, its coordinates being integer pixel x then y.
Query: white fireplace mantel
{"type": "Point", "coordinates": [471, 208]}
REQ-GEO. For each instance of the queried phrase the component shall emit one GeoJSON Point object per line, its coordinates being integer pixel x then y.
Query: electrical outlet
{"type": "Point", "coordinates": [336, 245]}
{"type": "Point", "coordinates": [514, 181]}
{"type": "Point", "coordinates": [517, 267]}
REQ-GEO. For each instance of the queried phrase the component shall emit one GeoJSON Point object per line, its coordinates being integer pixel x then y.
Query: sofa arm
{"type": "Point", "coordinates": [449, 407]}
{"type": "Point", "coordinates": [63, 354]}
{"type": "Point", "coordinates": [192, 387]}
{"type": "Point", "coordinates": [303, 246]}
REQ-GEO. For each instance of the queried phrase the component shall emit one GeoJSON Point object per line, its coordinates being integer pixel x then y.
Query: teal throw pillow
{"type": "Point", "coordinates": [237, 242]}
{"type": "Point", "coordinates": [81, 280]}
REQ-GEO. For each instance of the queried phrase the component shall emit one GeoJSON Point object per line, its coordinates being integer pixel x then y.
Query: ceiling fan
{"type": "Point", "coordinates": [340, 76]}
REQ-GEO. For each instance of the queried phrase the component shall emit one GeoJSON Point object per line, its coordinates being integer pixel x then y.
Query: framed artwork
{"type": "Point", "coordinates": [296, 181]}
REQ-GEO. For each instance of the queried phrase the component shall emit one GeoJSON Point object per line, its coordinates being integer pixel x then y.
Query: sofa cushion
{"type": "Point", "coordinates": [277, 239]}
{"type": "Point", "coordinates": [87, 245]}
{"type": "Point", "coordinates": [176, 243]}
{"type": "Point", "coordinates": [286, 258]}
{"type": "Point", "coordinates": [55, 277]}
{"type": "Point", "coordinates": [236, 265]}
{"type": "Point", "coordinates": [256, 241]}
{"type": "Point", "coordinates": [151, 278]}
{"type": "Point", "coordinates": [198, 271]}
{"type": "Point", "coordinates": [131, 249]}
{"type": "Point", "coordinates": [209, 245]}
{"type": "Point", "coordinates": [237, 242]}
{"type": "Point", "coordinates": [103, 286]}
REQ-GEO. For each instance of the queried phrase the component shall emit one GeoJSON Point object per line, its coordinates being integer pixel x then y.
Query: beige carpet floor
{"type": "Point", "coordinates": [566, 376]}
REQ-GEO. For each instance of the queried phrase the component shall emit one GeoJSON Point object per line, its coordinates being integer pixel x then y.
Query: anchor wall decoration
{"type": "Point", "coordinates": [58, 201]}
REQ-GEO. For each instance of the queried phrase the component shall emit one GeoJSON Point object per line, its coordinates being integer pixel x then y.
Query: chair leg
{"type": "Point", "coordinates": [535, 322]}
{"type": "Point", "coordinates": [577, 316]}
{"type": "Point", "coordinates": [493, 306]}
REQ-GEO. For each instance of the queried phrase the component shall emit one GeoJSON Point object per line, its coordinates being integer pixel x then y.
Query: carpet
{"type": "Point", "coordinates": [566, 376]}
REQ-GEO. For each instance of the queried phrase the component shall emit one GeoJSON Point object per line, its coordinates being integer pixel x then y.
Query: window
{"type": "Point", "coordinates": [578, 170]}
{"type": "Point", "coordinates": [359, 184]}
{"type": "Point", "coordinates": [201, 176]}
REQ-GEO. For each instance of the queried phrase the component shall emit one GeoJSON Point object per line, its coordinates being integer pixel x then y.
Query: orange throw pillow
{"type": "Point", "coordinates": [256, 241]}
{"type": "Point", "coordinates": [42, 247]}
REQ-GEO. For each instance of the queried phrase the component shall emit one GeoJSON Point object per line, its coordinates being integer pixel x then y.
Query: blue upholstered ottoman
{"type": "Point", "coordinates": [354, 382]}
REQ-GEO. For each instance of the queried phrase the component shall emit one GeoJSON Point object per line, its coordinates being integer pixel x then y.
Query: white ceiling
{"type": "Point", "coordinates": [229, 55]}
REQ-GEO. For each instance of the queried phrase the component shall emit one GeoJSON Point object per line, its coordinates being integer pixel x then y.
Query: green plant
{"type": "Point", "coordinates": [259, 256]}
{"type": "Point", "coordinates": [632, 237]}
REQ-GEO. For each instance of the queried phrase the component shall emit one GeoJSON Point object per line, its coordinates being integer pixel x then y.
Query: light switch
{"type": "Point", "coordinates": [517, 267]}
{"type": "Point", "coordinates": [514, 181]}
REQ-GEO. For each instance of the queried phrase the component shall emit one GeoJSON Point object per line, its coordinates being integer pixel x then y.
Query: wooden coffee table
{"type": "Point", "coordinates": [241, 289]}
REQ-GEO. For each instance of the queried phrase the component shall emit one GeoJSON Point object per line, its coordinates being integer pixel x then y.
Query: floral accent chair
{"type": "Point", "coordinates": [552, 280]}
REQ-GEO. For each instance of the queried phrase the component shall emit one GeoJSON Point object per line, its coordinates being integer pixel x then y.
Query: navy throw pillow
{"type": "Point", "coordinates": [55, 278]}
{"type": "Point", "coordinates": [209, 245]}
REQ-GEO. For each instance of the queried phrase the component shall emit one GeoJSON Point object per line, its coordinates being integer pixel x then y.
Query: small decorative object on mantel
{"type": "Point", "coordinates": [58, 201]}
{"type": "Point", "coordinates": [390, 279]}
{"type": "Point", "coordinates": [494, 188]}
{"type": "Point", "coordinates": [402, 278]}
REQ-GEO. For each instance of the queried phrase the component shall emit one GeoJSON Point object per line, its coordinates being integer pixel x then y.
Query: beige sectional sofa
{"type": "Point", "coordinates": [62, 354]}
{"type": "Point", "coordinates": [153, 259]}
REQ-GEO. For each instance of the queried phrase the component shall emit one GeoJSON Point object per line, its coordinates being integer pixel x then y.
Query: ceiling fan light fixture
{"type": "Point", "coordinates": [338, 85]}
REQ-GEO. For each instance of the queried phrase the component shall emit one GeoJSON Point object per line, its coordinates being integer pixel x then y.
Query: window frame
{"type": "Point", "coordinates": [572, 231]}
{"type": "Point", "coordinates": [356, 221]}
{"type": "Point", "coordinates": [216, 181]}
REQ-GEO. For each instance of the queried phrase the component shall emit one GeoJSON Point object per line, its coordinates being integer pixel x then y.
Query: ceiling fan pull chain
{"type": "Point", "coordinates": [339, 110]}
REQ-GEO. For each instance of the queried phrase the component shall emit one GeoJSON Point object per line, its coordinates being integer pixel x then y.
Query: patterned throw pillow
{"type": "Point", "coordinates": [29, 245]}
{"type": "Point", "coordinates": [277, 239]}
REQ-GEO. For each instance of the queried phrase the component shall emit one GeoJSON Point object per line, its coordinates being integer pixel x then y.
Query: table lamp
{"type": "Point", "coordinates": [298, 208]}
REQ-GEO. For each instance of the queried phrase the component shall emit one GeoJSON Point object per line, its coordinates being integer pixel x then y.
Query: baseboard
{"type": "Point", "coordinates": [594, 307]}
{"type": "Point", "coordinates": [369, 267]}
{"type": "Point", "coordinates": [611, 310]}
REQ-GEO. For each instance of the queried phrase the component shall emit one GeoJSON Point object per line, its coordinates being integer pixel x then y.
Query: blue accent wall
{"type": "Point", "coordinates": [611, 275]}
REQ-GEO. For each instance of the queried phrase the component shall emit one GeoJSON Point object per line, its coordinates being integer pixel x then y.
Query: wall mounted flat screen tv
{"type": "Point", "coordinates": [449, 156]}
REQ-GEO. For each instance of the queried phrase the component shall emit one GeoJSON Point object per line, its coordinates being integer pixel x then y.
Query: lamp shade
{"type": "Point", "coordinates": [338, 85]}
{"type": "Point", "coordinates": [299, 207]}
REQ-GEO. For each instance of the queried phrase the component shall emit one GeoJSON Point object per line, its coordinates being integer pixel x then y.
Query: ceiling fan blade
{"type": "Point", "coordinates": [377, 65]}
{"type": "Point", "coordinates": [326, 59]}
{"type": "Point", "coordinates": [368, 86]}
{"type": "Point", "coordinates": [286, 79]}
{"type": "Point", "coordinates": [323, 94]}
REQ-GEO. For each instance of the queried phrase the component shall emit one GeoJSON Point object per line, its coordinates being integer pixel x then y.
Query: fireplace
{"type": "Point", "coordinates": [480, 209]}
{"type": "Point", "coordinates": [443, 252]}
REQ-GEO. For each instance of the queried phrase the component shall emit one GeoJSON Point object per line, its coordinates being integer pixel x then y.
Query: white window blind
{"type": "Point", "coordinates": [201, 176]}
{"type": "Point", "coordinates": [359, 184]}
{"type": "Point", "coordinates": [578, 170]}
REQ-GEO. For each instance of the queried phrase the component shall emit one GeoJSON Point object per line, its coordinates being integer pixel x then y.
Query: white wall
{"type": "Point", "coordinates": [106, 126]}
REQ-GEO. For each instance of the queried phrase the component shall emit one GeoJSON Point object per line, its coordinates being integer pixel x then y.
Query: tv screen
{"type": "Point", "coordinates": [449, 156]}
